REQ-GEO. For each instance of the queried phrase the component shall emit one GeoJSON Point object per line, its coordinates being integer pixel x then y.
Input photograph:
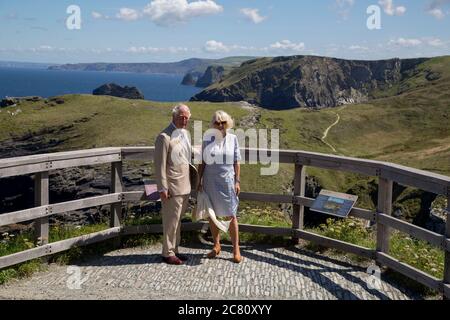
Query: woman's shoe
{"type": "Point", "coordinates": [237, 258]}
{"type": "Point", "coordinates": [214, 253]}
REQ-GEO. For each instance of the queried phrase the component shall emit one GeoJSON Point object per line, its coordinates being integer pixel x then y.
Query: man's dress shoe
{"type": "Point", "coordinates": [173, 260]}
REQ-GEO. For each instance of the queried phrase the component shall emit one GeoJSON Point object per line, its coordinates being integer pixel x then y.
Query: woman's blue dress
{"type": "Point", "coordinates": [219, 175]}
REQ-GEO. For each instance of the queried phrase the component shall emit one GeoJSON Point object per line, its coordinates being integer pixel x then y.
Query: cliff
{"type": "Point", "coordinates": [308, 81]}
{"type": "Point", "coordinates": [212, 75]}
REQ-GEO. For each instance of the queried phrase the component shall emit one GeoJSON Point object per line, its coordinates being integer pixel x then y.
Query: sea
{"type": "Point", "coordinates": [20, 82]}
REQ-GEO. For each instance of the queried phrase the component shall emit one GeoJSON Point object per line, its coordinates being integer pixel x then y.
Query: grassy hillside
{"type": "Point", "coordinates": [99, 121]}
{"type": "Point", "coordinates": [411, 128]}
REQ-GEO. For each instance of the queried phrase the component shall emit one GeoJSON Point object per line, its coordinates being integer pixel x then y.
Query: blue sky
{"type": "Point", "coordinates": [171, 30]}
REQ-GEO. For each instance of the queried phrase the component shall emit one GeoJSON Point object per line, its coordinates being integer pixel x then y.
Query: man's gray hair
{"type": "Point", "coordinates": [179, 108]}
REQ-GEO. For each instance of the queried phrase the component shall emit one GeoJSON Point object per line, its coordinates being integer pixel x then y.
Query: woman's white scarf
{"type": "Point", "coordinates": [204, 210]}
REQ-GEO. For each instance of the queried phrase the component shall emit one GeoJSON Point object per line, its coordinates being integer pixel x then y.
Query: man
{"type": "Point", "coordinates": [172, 159]}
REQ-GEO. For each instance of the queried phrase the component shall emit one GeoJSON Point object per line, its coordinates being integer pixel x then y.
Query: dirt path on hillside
{"type": "Point", "coordinates": [325, 133]}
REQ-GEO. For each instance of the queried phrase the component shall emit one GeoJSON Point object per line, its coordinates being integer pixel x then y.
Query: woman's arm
{"type": "Point", "coordinates": [201, 169]}
{"type": "Point", "coordinates": [237, 177]}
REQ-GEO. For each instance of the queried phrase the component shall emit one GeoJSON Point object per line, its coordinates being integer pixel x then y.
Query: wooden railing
{"type": "Point", "coordinates": [387, 173]}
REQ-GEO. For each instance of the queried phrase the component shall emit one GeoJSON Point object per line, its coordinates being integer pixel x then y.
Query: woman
{"type": "Point", "coordinates": [219, 176]}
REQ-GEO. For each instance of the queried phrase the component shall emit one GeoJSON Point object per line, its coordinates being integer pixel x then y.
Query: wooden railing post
{"type": "Point", "coordinates": [447, 252]}
{"type": "Point", "coordinates": [41, 198]}
{"type": "Point", "coordinates": [116, 187]}
{"type": "Point", "coordinates": [384, 205]}
{"type": "Point", "coordinates": [298, 211]}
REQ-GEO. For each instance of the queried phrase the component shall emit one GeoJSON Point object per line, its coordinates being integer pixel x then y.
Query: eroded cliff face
{"type": "Point", "coordinates": [307, 81]}
{"type": "Point", "coordinates": [211, 75]}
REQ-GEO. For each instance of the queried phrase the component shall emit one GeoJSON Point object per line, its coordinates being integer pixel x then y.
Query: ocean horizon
{"type": "Point", "coordinates": [20, 82]}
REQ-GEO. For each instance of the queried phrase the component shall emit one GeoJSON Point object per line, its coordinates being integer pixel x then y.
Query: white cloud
{"type": "Point", "coordinates": [402, 42]}
{"type": "Point", "coordinates": [142, 50]}
{"type": "Point", "coordinates": [252, 15]}
{"type": "Point", "coordinates": [214, 46]}
{"type": "Point", "coordinates": [344, 7]}
{"type": "Point", "coordinates": [345, 3]}
{"type": "Point", "coordinates": [399, 11]}
{"type": "Point", "coordinates": [390, 9]}
{"type": "Point", "coordinates": [435, 8]}
{"type": "Point", "coordinates": [96, 15]}
{"type": "Point", "coordinates": [128, 14]}
{"type": "Point", "coordinates": [287, 45]}
{"type": "Point", "coordinates": [153, 50]}
{"type": "Point", "coordinates": [11, 16]}
{"type": "Point", "coordinates": [358, 48]}
{"type": "Point", "coordinates": [435, 42]}
{"type": "Point", "coordinates": [169, 12]}
{"type": "Point", "coordinates": [437, 13]}
{"type": "Point", "coordinates": [279, 47]}
{"type": "Point", "coordinates": [45, 48]}
{"type": "Point", "coordinates": [422, 42]}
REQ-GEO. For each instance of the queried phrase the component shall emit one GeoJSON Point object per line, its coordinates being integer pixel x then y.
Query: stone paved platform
{"type": "Point", "coordinates": [265, 273]}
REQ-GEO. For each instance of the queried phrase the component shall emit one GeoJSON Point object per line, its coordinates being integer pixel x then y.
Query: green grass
{"type": "Point", "coordinates": [264, 217]}
{"type": "Point", "coordinates": [349, 230]}
{"type": "Point", "coordinates": [20, 271]}
{"type": "Point", "coordinates": [11, 244]}
{"type": "Point", "coordinates": [59, 233]}
{"type": "Point", "coordinates": [101, 121]}
{"type": "Point", "coordinates": [416, 253]}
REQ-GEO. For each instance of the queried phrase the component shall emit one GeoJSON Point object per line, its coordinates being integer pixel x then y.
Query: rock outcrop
{"type": "Point", "coordinates": [190, 79]}
{"type": "Point", "coordinates": [11, 101]}
{"type": "Point", "coordinates": [307, 81]}
{"type": "Point", "coordinates": [212, 75]}
{"type": "Point", "coordinates": [112, 89]}
{"type": "Point", "coordinates": [7, 102]}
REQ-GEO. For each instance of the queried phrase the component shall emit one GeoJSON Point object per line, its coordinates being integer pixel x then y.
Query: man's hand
{"type": "Point", "coordinates": [200, 187]}
{"type": "Point", "coordinates": [164, 195]}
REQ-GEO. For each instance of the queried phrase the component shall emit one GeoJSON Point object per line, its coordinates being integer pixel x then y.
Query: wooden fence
{"type": "Point", "coordinates": [387, 173]}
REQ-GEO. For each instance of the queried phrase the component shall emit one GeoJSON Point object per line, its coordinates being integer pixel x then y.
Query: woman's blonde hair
{"type": "Point", "coordinates": [222, 116]}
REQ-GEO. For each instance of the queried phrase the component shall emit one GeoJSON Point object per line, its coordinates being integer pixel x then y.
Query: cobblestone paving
{"type": "Point", "coordinates": [265, 273]}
